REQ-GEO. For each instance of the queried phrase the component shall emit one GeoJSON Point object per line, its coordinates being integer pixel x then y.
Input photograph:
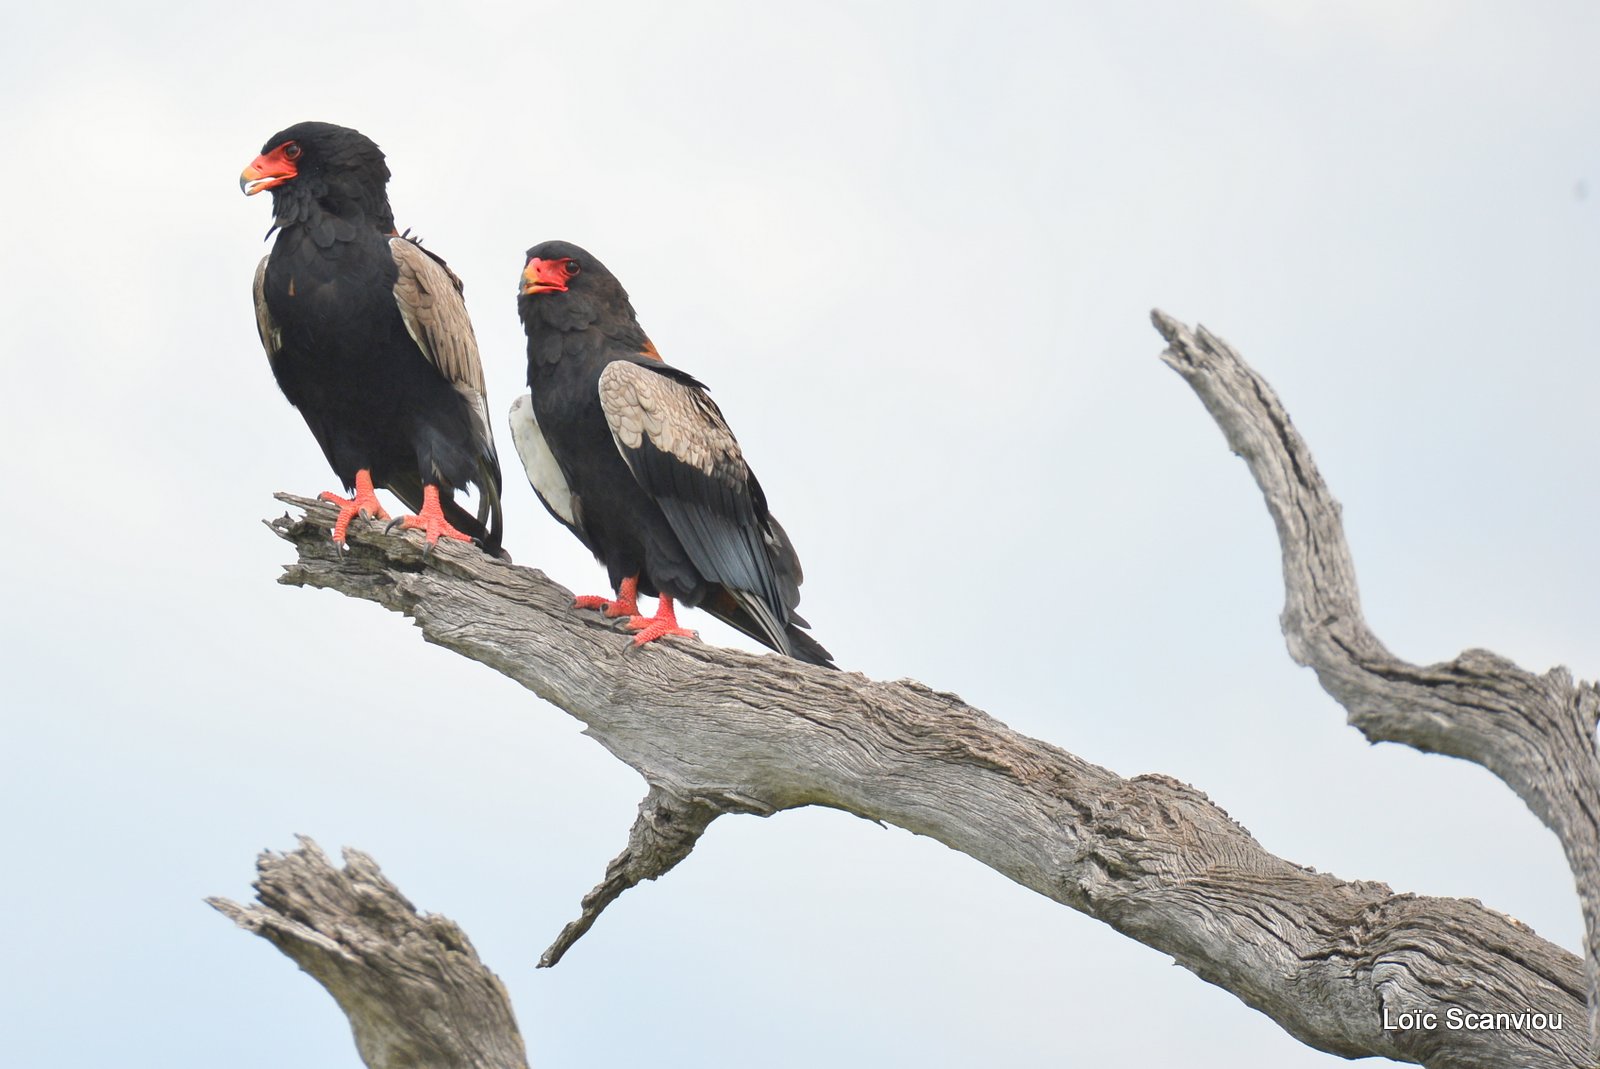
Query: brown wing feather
{"type": "Point", "coordinates": [429, 296]}
{"type": "Point", "coordinates": [271, 337]}
{"type": "Point", "coordinates": [678, 420]}
{"type": "Point", "coordinates": [679, 448]}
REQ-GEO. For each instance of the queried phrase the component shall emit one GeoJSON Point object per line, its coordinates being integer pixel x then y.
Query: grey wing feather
{"type": "Point", "coordinates": [544, 471]}
{"type": "Point", "coordinates": [680, 449]}
{"type": "Point", "coordinates": [786, 566]}
{"type": "Point", "coordinates": [429, 297]}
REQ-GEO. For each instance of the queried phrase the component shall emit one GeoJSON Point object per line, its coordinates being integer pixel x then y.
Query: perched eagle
{"type": "Point", "coordinates": [368, 337]}
{"type": "Point", "coordinates": [634, 457]}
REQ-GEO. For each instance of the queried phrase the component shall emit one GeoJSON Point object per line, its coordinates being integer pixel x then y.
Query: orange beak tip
{"type": "Point", "coordinates": [535, 281]}
{"type": "Point", "coordinates": [262, 173]}
{"type": "Point", "coordinates": [252, 181]}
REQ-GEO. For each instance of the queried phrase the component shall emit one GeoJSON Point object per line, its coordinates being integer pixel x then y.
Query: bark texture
{"type": "Point", "coordinates": [411, 984]}
{"type": "Point", "coordinates": [1536, 732]}
{"type": "Point", "coordinates": [714, 731]}
{"type": "Point", "coordinates": [717, 731]}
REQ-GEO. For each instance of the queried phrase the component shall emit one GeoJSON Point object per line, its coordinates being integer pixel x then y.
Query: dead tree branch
{"type": "Point", "coordinates": [1537, 733]}
{"type": "Point", "coordinates": [715, 731]}
{"type": "Point", "coordinates": [411, 985]}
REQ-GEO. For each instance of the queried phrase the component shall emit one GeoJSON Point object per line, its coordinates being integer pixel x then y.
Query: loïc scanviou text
{"type": "Point", "coordinates": [1456, 1019]}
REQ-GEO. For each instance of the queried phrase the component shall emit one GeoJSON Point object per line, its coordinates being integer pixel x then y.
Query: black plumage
{"type": "Point", "coordinates": [368, 336]}
{"type": "Point", "coordinates": [633, 456]}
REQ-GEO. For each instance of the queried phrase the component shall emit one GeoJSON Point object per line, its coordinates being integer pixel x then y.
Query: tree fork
{"type": "Point", "coordinates": [716, 731]}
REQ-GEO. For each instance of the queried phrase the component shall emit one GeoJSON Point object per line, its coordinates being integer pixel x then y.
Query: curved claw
{"type": "Point", "coordinates": [650, 630]}
{"type": "Point", "coordinates": [364, 503]}
{"type": "Point", "coordinates": [626, 602]}
{"type": "Point", "coordinates": [662, 624]}
{"type": "Point", "coordinates": [430, 521]}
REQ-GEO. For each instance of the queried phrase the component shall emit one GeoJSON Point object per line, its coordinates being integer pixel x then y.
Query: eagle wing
{"type": "Point", "coordinates": [428, 295]}
{"type": "Point", "coordinates": [544, 471]}
{"type": "Point", "coordinates": [679, 448]}
{"type": "Point", "coordinates": [271, 336]}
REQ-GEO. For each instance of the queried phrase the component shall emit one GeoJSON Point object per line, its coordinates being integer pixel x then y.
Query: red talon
{"type": "Point", "coordinates": [365, 502]}
{"type": "Point", "coordinates": [431, 519]}
{"type": "Point", "coordinates": [662, 624]}
{"type": "Point", "coordinates": [626, 603]}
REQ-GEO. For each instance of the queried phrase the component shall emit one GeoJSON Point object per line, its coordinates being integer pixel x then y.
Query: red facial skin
{"type": "Point", "coordinates": [547, 276]}
{"type": "Point", "coordinates": [270, 169]}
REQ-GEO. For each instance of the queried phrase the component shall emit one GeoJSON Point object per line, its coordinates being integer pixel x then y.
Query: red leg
{"type": "Point", "coordinates": [364, 503]}
{"type": "Point", "coordinates": [626, 604]}
{"type": "Point", "coordinates": [431, 519]}
{"type": "Point", "coordinates": [663, 623]}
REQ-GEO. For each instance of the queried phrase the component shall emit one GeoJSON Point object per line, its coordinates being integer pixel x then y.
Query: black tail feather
{"type": "Point", "coordinates": [490, 515]}
{"type": "Point", "coordinates": [809, 649]}
{"type": "Point", "coordinates": [726, 606]}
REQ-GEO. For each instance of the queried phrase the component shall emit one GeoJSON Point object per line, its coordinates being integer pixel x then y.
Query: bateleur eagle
{"type": "Point", "coordinates": [368, 337]}
{"type": "Point", "coordinates": [634, 458]}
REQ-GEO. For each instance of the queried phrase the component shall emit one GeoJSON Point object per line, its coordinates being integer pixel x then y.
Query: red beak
{"type": "Point", "coordinates": [265, 171]}
{"type": "Point", "coordinates": [543, 276]}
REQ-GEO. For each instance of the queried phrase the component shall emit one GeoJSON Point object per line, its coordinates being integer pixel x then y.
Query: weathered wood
{"type": "Point", "coordinates": [714, 730]}
{"type": "Point", "coordinates": [1537, 733]}
{"type": "Point", "coordinates": [411, 985]}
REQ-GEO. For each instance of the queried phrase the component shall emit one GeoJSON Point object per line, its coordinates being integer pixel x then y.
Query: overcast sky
{"type": "Point", "coordinates": [912, 248]}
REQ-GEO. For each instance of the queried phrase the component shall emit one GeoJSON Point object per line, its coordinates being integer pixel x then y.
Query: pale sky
{"type": "Point", "coordinates": [912, 248]}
